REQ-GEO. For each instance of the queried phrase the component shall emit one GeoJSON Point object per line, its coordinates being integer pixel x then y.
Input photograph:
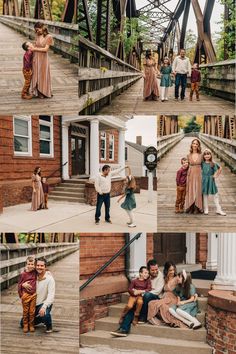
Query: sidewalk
{"type": "Point", "coordinates": [79, 217]}
{"type": "Point", "coordinates": [107, 350]}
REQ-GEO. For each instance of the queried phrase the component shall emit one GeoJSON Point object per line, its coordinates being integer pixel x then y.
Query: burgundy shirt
{"type": "Point", "coordinates": [181, 176]}
{"type": "Point", "coordinates": [138, 284]}
{"type": "Point", "coordinates": [195, 76]}
{"type": "Point", "coordinates": [31, 277]}
{"type": "Point", "coordinates": [28, 60]}
{"type": "Point", "coordinates": [45, 187]}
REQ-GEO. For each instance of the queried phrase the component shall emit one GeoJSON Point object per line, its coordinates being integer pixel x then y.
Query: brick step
{"type": "Point", "coordinates": [115, 311]}
{"type": "Point", "coordinates": [145, 342]}
{"type": "Point", "coordinates": [66, 199]}
{"type": "Point", "coordinates": [111, 324]}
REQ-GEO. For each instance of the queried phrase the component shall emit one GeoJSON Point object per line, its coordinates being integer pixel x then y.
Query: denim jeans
{"type": "Point", "coordinates": [180, 80]}
{"type": "Point", "coordinates": [147, 297]}
{"type": "Point", "coordinates": [46, 319]}
{"type": "Point", "coordinates": [127, 321]}
{"type": "Point", "coordinates": [104, 198]}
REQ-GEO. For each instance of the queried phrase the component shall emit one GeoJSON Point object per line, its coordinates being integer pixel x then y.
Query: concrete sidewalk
{"type": "Point", "coordinates": [107, 350]}
{"type": "Point", "coordinates": [79, 217]}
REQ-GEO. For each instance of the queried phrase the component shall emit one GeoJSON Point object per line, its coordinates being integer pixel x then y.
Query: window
{"type": "Point", "coordinates": [46, 136]}
{"type": "Point", "coordinates": [126, 153]}
{"type": "Point", "coordinates": [111, 147]}
{"type": "Point", "coordinates": [22, 136]}
{"type": "Point", "coordinates": [103, 146]}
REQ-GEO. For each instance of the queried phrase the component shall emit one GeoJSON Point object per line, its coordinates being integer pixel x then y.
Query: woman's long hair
{"type": "Point", "coordinates": [167, 266]}
{"type": "Point", "coordinates": [199, 149]}
{"type": "Point", "coordinates": [186, 285]}
{"type": "Point", "coordinates": [212, 163]}
{"type": "Point", "coordinates": [42, 26]}
{"type": "Point", "coordinates": [168, 64]}
{"type": "Point", "coordinates": [131, 183]}
{"type": "Point", "coordinates": [36, 171]}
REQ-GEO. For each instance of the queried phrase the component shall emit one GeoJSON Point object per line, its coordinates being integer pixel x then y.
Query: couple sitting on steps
{"type": "Point", "coordinates": [157, 298]}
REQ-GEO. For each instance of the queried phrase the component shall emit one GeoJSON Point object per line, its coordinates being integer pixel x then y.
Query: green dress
{"type": "Point", "coordinates": [191, 307]}
{"type": "Point", "coordinates": [166, 78]}
{"type": "Point", "coordinates": [129, 202]}
{"type": "Point", "coordinates": [208, 182]}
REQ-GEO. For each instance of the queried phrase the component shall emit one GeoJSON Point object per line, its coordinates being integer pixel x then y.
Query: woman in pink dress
{"type": "Point", "coordinates": [37, 193]}
{"type": "Point", "coordinates": [160, 308]}
{"type": "Point", "coordinates": [41, 79]}
{"type": "Point", "coordinates": [150, 90]}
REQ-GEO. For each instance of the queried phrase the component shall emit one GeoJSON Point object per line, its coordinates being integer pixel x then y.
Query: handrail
{"type": "Point", "coordinates": [58, 169]}
{"type": "Point", "coordinates": [112, 259]}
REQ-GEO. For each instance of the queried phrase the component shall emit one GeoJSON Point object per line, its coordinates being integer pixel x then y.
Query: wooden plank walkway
{"type": "Point", "coordinates": [131, 102]}
{"type": "Point", "coordinates": [65, 315]}
{"type": "Point", "coordinates": [168, 221]}
{"type": "Point", "coordinates": [64, 80]}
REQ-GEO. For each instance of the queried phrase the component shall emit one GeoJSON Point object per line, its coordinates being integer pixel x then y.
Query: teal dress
{"type": "Point", "coordinates": [208, 182]}
{"type": "Point", "coordinates": [129, 202]}
{"type": "Point", "coordinates": [166, 78]}
{"type": "Point", "coordinates": [192, 307]}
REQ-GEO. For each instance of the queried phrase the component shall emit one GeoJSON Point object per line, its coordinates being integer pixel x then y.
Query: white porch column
{"type": "Point", "coordinates": [137, 254]}
{"type": "Point", "coordinates": [65, 150]}
{"type": "Point", "coordinates": [94, 148]}
{"type": "Point", "coordinates": [226, 262]}
{"type": "Point", "coordinates": [191, 248]}
{"type": "Point", "coordinates": [121, 151]}
{"type": "Point", "coordinates": [212, 251]}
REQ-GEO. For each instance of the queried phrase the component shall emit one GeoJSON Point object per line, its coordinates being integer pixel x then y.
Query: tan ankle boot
{"type": "Point", "coordinates": [25, 328]}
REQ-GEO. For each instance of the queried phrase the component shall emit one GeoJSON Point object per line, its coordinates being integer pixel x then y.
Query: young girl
{"type": "Point", "coordinates": [210, 171]}
{"type": "Point", "coordinates": [186, 308]}
{"type": "Point", "coordinates": [193, 201]}
{"type": "Point", "coordinates": [129, 204]}
{"type": "Point", "coordinates": [166, 82]}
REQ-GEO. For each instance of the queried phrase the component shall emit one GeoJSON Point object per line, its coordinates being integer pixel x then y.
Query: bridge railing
{"type": "Point", "coordinates": [218, 79]}
{"type": "Point", "coordinates": [102, 76]}
{"type": "Point", "coordinates": [166, 143]}
{"type": "Point", "coordinates": [225, 149]}
{"type": "Point", "coordinates": [65, 35]}
{"type": "Point", "coordinates": [13, 257]}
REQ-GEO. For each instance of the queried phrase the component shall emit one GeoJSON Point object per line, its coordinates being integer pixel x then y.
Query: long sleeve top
{"type": "Point", "coordinates": [138, 284]}
{"type": "Point", "coordinates": [45, 290]}
{"type": "Point", "coordinates": [28, 60]}
{"type": "Point", "coordinates": [181, 176]}
{"type": "Point", "coordinates": [103, 183]}
{"type": "Point", "coordinates": [157, 284]}
{"type": "Point", "coordinates": [182, 66]}
{"type": "Point", "coordinates": [29, 277]}
{"type": "Point", "coordinates": [195, 76]}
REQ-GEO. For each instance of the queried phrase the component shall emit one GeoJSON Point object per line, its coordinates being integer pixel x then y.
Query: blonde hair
{"type": "Point", "coordinates": [211, 159]}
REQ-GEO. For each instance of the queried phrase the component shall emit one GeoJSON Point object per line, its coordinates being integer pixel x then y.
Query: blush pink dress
{"type": "Point", "coordinates": [41, 79]}
{"type": "Point", "coordinates": [194, 183]}
{"type": "Point", "coordinates": [38, 195]}
{"type": "Point", "coordinates": [150, 82]}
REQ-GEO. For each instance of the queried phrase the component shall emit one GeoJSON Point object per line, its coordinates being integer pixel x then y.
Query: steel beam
{"type": "Point", "coordinates": [84, 20]}
{"type": "Point", "coordinates": [103, 23]}
{"type": "Point", "coordinates": [42, 10]}
{"type": "Point", "coordinates": [184, 23]}
{"type": "Point", "coordinates": [70, 13]}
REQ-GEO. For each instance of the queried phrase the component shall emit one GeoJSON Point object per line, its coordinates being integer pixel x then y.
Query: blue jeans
{"type": "Point", "coordinates": [180, 80]}
{"type": "Point", "coordinates": [46, 319]}
{"type": "Point", "coordinates": [127, 321]}
{"type": "Point", "coordinates": [147, 297]}
{"type": "Point", "coordinates": [104, 198]}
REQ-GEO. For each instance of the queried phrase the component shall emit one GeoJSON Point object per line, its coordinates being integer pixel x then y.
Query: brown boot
{"type": "Point", "coordinates": [26, 97]}
{"type": "Point", "coordinates": [31, 328]}
{"type": "Point", "coordinates": [25, 328]}
{"type": "Point", "coordinates": [176, 210]}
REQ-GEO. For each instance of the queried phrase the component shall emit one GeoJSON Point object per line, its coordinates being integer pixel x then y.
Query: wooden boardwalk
{"type": "Point", "coordinates": [64, 80]}
{"type": "Point", "coordinates": [131, 102]}
{"type": "Point", "coordinates": [168, 221]}
{"type": "Point", "coordinates": [65, 315]}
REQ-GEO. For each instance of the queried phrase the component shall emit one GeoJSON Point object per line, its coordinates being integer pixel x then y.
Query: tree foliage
{"type": "Point", "coordinates": [192, 126]}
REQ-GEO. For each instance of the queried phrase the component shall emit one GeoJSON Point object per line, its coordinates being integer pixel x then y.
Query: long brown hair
{"type": "Point", "coordinates": [212, 163]}
{"type": "Point", "coordinates": [199, 149]}
{"type": "Point", "coordinates": [186, 285]}
{"type": "Point", "coordinates": [43, 27]}
{"type": "Point", "coordinates": [36, 171]}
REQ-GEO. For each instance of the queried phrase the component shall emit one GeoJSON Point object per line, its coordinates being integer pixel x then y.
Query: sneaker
{"type": "Point", "coordinates": [166, 99]}
{"type": "Point", "coordinates": [221, 212]}
{"type": "Point", "coordinates": [96, 222]}
{"type": "Point", "coordinates": [131, 225]}
{"type": "Point", "coordinates": [162, 100]}
{"type": "Point", "coordinates": [206, 212]}
{"type": "Point", "coordinates": [119, 333]}
{"type": "Point", "coordinates": [109, 221]}
{"type": "Point", "coordinates": [49, 330]}
{"type": "Point", "coordinates": [197, 326]}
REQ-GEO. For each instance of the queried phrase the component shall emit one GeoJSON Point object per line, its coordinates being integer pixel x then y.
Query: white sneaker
{"type": "Point", "coordinates": [206, 212]}
{"type": "Point", "coordinates": [131, 225]}
{"type": "Point", "coordinates": [166, 99]}
{"type": "Point", "coordinates": [221, 212]}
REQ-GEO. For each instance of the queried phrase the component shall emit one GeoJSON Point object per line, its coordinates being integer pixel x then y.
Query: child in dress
{"type": "Point", "coordinates": [27, 69]}
{"type": "Point", "coordinates": [138, 287]}
{"type": "Point", "coordinates": [187, 307]}
{"type": "Point", "coordinates": [210, 171]}
{"type": "Point", "coordinates": [195, 82]}
{"type": "Point", "coordinates": [28, 297]}
{"type": "Point", "coordinates": [45, 186]}
{"type": "Point", "coordinates": [166, 81]}
{"type": "Point", "coordinates": [181, 179]}
{"type": "Point", "coordinates": [129, 204]}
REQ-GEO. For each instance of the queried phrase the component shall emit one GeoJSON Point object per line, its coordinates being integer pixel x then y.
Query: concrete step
{"type": "Point", "coordinates": [115, 311]}
{"type": "Point", "coordinates": [71, 185]}
{"type": "Point", "coordinates": [66, 193]}
{"type": "Point", "coordinates": [66, 199]}
{"type": "Point", "coordinates": [76, 181]}
{"type": "Point", "coordinates": [70, 189]}
{"type": "Point", "coordinates": [145, 342]}
{"type": "Point", "coordinates": [111, 324]}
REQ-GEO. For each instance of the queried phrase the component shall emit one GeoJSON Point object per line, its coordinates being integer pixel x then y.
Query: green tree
{"type": "Point", "coordinates": [192, 126]}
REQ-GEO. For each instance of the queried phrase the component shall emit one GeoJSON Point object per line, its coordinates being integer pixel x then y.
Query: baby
{"type": "Point", "coordinates": [137, 288]}
{"type": "Point", "coordinates": [27, 69]}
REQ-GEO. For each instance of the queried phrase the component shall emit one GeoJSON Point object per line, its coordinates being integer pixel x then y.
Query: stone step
{"type": "Point", "coordinates": [69, 189]}
{"type": "Point", "coordinates": [76, 181]}
{"type": "Point", "coordinates": [66, 193]}
{"type": "Point", "coordinates": [72, 185]}
{"type": "Point", "coordinates": [66, 199]}
{"type": "Point", "coordinates": [115, 311]}
{"type": "Point", "coordinates": [202, 301]}
{"type": "Point", "coordinates": [144, 342]}
{"type": "Point", "coordinates": [111, 324]}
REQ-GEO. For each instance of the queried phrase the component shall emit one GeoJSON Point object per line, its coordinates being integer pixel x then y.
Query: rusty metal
{"type": "Point", "coordinates": [70, 13]}
{"type": "Point", "coordinates": [84, 21]}
{"type": "Point", "coordinates": [103, 23]}
{"type": "Point", "coordinates": [184, 23]}
{"type": "Point", "coordinates": [10, 7]}
{"type": "Point", "coordinates": [25, 9]}
{"type": "Point", "coordinates": [43, 10]}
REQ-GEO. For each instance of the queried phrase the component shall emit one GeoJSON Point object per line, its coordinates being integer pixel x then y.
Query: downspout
{"type": "Point", "coordinates": [61, 168]}
{"type": "Point", "coordinates": [127, 256]}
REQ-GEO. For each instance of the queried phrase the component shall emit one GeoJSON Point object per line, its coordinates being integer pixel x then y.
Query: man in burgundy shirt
{"type": "Point", "coordinates": [181, 179]}
{"type": "Point", "coordinates": [27, 69]}
{"type": "Point", "coordinates": [195, 82]}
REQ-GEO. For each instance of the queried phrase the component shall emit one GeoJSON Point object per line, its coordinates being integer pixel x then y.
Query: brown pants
{"type": "Point", "coordinates": [27, 76]}
{"type": "Point", "coordinates": [138, 300]}
{"type": "Point", "coordinates": [194, 88]}
{"type": "Point", "coordinates": [180, 198]}
{"type": "Point", "coordinates": [46, 200]}
{"type": "Point", "coordinates": [29, 304]}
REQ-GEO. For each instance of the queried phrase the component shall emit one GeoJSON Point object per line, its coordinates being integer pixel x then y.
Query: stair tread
{"type": "Point", "coordinates": [138, 338]}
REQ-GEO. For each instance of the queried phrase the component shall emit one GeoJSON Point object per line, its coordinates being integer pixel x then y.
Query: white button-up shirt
{"type": "Point", "coordinates": [103, 183]}
{"type": "Point", "coordinates": [181, 66]}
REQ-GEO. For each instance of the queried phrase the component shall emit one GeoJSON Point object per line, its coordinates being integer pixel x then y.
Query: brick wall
{"type": "Point", "coordinates": [142, 183]}
{"type": "Point", "coordinates": [1, 200]}
{"type": "Point", "coordinates": [201, 249]}
{"type": "Point", "coordinates": [16, 171]}
{"type": "Point", "coordinates": [150, 246]}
